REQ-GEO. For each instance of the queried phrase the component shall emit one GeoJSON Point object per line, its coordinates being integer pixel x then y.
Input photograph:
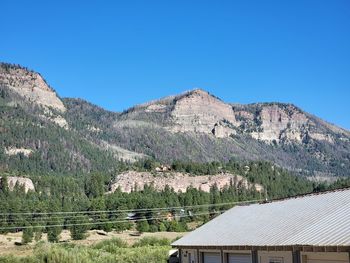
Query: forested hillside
{"type": "Point", "coordinates": [87, 193]}
{"type": "Point", "coordinates": [52, 149]}
{"type": "Point", "coordinates": [42, 133]}
{"type": "Point", "coordinates": [79, 203]}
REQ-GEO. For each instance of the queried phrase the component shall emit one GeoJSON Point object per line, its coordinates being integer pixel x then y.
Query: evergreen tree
{"type": "Point", "coordinates": [53, 231]}
{"type": "Point", "coordinates": [27, 235]}
{"type": "Point", "coordinates": [79, 227]}
{"type": "Point", "coordinates": [95, 185]}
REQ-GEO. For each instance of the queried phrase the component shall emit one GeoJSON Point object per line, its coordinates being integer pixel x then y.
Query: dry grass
{"type": "Point", "coordinates": [8, 247]}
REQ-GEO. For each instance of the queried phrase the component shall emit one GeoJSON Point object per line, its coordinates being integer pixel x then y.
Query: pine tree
{"type": "Point", "coordinates": [53, 231]}
{"type": "Point", "coordinates": [79, 227]}
{"type": "Point", "coordinates": [27, 235]}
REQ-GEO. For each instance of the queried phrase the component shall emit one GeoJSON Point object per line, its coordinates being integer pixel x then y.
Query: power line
{"type": "Point", "coordinates": [126, 210]}
{"type": "Point", "coordinates": [110, 213]}
{"type": "Point", "coordinates": [101, 220]}
{"type": "Point", "coordinates": [101, 223]}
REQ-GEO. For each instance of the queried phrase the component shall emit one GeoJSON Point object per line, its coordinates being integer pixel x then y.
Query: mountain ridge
{"type": "Point", "coordinates": [192, 126]}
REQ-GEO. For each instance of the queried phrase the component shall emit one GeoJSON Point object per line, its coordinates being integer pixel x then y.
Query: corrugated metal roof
{"type": "Point", "coordinates": [316, 220]}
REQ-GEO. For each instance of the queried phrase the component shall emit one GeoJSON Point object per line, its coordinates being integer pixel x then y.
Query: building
{"type": "Point", "coordinates": [313, 228]}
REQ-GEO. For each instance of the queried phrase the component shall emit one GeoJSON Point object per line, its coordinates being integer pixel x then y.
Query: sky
{"type": "Point", "coordinates": [120, 53]}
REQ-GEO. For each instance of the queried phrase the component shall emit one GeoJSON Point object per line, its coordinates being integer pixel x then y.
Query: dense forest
{"type": "Point", "coordinates": [80, 202]}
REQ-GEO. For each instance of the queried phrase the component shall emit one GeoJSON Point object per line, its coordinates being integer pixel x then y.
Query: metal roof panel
{"type": "Point", "coordinates": [315, 219]}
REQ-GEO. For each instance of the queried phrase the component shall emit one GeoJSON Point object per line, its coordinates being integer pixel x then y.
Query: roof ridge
{"type": "Point", "coordinates": [307, 194]}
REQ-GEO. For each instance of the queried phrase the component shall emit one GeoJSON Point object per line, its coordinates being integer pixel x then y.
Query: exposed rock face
{"type": "Point", "coordinates": [198, 111]}
{"type": "Point", "coordinates": [156, 108]}
{"type": "Point", "coordinates": [31, 86]}
{"type": "Point", "coordinates": [321, 137]}
{"type": "Point", "coordinates": [60, 121]}
{"type": "Point", "coordinates": [12, 181]}
{"type": "Point", "coordinates": [55, 118]}
{"type": "Point", "coordinates": [277, 122]}
{"type": "Point", "coordinates": [131, 180]}
{"type": "Point", "coordinates": [14, 151]}
{"type": "Point", "coordinates": [282, 123]}
{"type": "Point", "coordinates": [223, 130]}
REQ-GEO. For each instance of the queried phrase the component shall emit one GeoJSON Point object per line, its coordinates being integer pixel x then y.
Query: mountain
{"type": "Point", "coordinates": [194, 126]}
{"type": "Point", "coordinates": [35, 135]}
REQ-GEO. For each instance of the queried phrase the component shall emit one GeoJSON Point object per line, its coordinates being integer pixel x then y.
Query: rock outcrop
{"type": "Point", "coordinates": [132, 180]}
{"type": "Point", "coordinates": [14, 151]}
{"type": "Point", "coordinates": [223, 130]}
{"type": "Point", "coordinates": [12, 181]}
{"type": "Point", "coordinates": [198, 111]}
{"type": "Point", "coordinates": [278, 122]}
{"type": "Point", "coordinates": [30, 86]}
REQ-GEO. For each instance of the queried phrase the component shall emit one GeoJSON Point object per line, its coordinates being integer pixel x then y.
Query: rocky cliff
{"type": "Point", "coordinates": [198, 111]}
{"type": "Point", "coordinates": [32, 88]}
{"type": "Point", "coordinates": [135, 181]}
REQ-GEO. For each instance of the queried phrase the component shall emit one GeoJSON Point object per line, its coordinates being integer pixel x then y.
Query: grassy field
{"type": "Point", "coordinates": [115, 247]}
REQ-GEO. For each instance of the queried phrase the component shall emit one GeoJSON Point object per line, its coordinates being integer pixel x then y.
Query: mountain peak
{"type": "Point", "coordinates": [199, 111]}
{"type": "Point", "coordinates": [199, 91]}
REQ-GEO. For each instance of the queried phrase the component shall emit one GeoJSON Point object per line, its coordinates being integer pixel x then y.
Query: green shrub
{"type": "Point", "coordinates": [111, 245]}
{"type": "Point", "coordinates": [153, 228]}
{"type": "Point", "coordinates": [57, 253]}
{"type": "Point", "coordinates": [162, 227]}
{"type": "Point", "coordinates": [175, 226]}
{"type": "Point", "coordinates": [152, 241]}
{"type": "Point", "coordinates": [142, 226]}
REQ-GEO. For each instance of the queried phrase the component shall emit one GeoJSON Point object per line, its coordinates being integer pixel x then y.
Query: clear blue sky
{"type": "Point", "coordinates": [120, 53]}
